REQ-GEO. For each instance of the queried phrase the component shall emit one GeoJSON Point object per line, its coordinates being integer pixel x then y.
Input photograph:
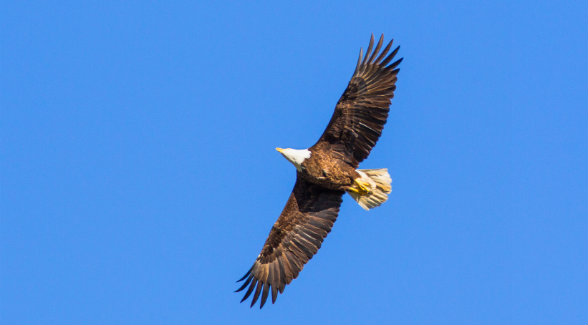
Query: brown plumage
{"type": "Point", "coordinates": [325, 171]}
{"type": "Point", "coordinates": [362, 110]}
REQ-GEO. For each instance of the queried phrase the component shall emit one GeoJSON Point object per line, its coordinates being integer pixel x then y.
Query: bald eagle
{"type": "Point", "coordinates": [325, 172]}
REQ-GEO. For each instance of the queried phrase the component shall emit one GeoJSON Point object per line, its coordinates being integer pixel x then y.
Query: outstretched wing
{"type": "Point", "coordinates": [293, 240]}
{"type": "Point", "coordinates": [362, 110]}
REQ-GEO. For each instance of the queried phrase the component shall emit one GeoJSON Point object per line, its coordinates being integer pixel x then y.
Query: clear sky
{"type": "Point", "coordinates": [139, 178]}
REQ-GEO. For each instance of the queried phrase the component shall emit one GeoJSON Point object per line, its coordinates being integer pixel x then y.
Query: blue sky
{"type": "Point", "coordinates": [139, 178]}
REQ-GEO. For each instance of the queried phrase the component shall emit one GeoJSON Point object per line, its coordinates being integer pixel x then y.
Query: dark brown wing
{"type": "Point", "coordinates": [362, 110]}
{"type": "Point", "coordinates": [305, 221]}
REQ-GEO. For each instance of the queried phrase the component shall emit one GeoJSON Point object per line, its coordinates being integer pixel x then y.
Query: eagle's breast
{"type": "Point", "coordinates": [322, 168]}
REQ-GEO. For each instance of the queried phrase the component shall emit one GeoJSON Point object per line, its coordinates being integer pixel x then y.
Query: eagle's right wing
{"type": "Point", "coordinates": [293, 240]}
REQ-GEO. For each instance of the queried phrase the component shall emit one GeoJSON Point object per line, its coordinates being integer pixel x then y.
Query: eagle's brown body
{"type": "Point", "coordinates": [325, 172]}
{"type": "Point", "coordinates": [328, 168]}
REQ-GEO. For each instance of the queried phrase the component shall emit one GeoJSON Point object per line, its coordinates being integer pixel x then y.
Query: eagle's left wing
{"type": "Point", "coordinates": [362, 110]}
{"type": "Point", "coordinates": [293, 240]}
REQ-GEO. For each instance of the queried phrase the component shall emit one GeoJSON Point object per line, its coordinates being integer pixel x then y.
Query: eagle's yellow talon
{"type": "Point", "coordinates": [361, 187]}
{"type": "Point", "coordinates": [364, 186]}
{"type": "Point", "coordinates": [353, 189]}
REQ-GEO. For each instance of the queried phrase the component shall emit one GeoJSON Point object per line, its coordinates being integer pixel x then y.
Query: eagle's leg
{"type": "Point", "coordinates": [378, 184]}
{"type": "Point", "coordinates": [360, 187]}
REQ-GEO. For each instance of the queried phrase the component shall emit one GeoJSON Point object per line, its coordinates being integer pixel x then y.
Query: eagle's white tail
{"type": "Point", "coordinates": [372, 188]}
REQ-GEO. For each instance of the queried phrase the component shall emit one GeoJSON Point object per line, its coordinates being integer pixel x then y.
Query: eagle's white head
{"type": "Point", "coordinates": [295, 156]}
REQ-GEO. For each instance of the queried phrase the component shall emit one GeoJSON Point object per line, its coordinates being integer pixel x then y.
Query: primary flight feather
{"type": "Point", "coordinates": [325, 172]}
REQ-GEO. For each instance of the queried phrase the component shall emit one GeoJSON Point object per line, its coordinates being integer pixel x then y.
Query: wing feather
{"type": "Point", "coordinates": [294, 239]}
{"type": "Point", "coordinates": [362, 110]}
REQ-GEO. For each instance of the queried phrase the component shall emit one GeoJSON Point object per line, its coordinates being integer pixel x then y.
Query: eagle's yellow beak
{"type": "Point", "coordinates": [280, 150]}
